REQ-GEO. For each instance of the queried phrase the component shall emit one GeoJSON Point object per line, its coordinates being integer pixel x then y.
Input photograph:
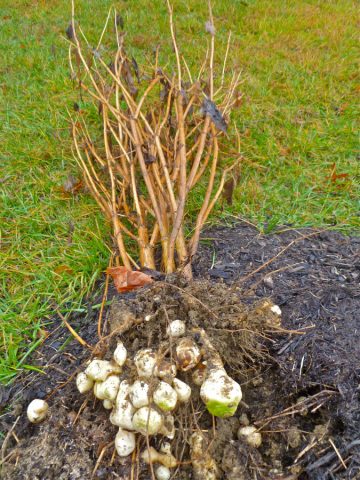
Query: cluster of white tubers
{"type": "Point", "coordinates": [145, 405]}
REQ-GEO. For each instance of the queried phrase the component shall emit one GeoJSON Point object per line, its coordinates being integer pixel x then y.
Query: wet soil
{"type": "Point", "coordinates": [300, 378]}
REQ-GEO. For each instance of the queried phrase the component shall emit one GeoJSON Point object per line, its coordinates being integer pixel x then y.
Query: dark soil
{"type": "Point", "coordinates": [300, 388]}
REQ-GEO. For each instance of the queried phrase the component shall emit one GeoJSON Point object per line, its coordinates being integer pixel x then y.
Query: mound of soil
{"type": "Point", "coordinates": [300, 379]}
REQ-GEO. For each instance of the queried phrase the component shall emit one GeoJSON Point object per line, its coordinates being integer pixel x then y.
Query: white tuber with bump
{"type": "Point", "coordinates": [165, 369]}
{"type": "Point", "coordinates": [108, 389]}
{"type": "Point", "coordinates": [123, 411]}
{"type": "Point", "coordinates": [176, 328]}
{"type": "Point", "coordinates": [139, 394]}
{"type": "Point", "coordinates": [162, 473]}
{"type": "Point", "coordinates": [199, 374]}
{"type": "Point", "coordinates": [276, 309]}
{"type": "Point", "coordinates": [124, 390]}
{"type": "Point", "coordinates": [37, 410]}
{"type": "Point", "coordinates": [168, 427]}
{"type": "Point", "coordinates": [124, 442]}
{"type": "Point", "coordinates": [250, 435]}
{"type": "Point", "coordinates": [98, 392]}
{"type": "Point", "coordinates": [188, 354]}
{"type": "Point", "coordinates": [220, 393]}
{"type": "Point", "coordinates": [99, 370]}
{"type": "Point", "coordinates": [147, 421]}
{"type": "Point", "coordinates": [204, 465]}
{"type": "Point", "coordinates": [152, 456]}
{"type": "Point", "coordinates": [122, 415]}
{"type": "Point", "coordinates": [120, 354]}
{"type": "Point", "coordinates": [165, 397]}
{"type": "Point", "coordinates": [108, 404]}
{"type": "Point", "coordinates": [166, 448]}
{"type": "Point", "coordinates": [84, 383]}
{"type": "Point", "coordinates": [145, 362]}
{"type": "Point", "coordinates": [182, 390]}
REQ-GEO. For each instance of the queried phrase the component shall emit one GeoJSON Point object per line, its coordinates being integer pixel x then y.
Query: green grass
{"type": "Point", "coordinates": [297, 120]}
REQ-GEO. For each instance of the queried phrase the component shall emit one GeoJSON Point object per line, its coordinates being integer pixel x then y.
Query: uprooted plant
{"type": "Point", "coordinates": [149, 137]}
{"type": "Point", "coordinates": [158, 134]}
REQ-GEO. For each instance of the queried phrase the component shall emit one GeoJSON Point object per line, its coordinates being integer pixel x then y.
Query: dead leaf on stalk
{"type": "Point", "coordinates": [70, 32]}
{"type": "Point", "coordinates": [136, 69]}
{"type": "Point", "coordinates": [127, 75]}
{"type": "Point", "coordinates": [126, 280]}
{"type": "Point", "coordinates": [120, 21]}
{"type": "Point", "coordinates": [149, 159]}
{"type": "Point", "coordinates": [209, 108]}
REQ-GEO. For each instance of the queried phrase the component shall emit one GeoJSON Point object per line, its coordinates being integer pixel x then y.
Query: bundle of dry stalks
{"type": "Point", "coordinates": [160, 136]}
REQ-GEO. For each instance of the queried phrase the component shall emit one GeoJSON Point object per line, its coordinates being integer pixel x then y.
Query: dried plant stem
{"type": "Point", "coordinates": [154, 145]}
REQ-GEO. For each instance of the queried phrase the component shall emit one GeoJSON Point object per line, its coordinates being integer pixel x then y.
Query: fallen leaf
{"type": "Point", "coordinates": [336, 176]}
{"type": "Point", "coordinates": [126, 280]}
{"type": "Point", "coordinates": [71, 185]}
{"type": "Point", "coordinates": [42, 333]}
{"type": "Point", "coordinates": [341, 108]}
{"type": "Point", "coordinates": [284, 150]}
{"type": "Point", "coordinates": [127, 75]}
{"type": "Point", "coordinates": [63, 269]}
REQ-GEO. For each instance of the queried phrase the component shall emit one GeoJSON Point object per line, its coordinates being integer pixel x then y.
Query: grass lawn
{"type": "Point", "coordinates": [297, 123]}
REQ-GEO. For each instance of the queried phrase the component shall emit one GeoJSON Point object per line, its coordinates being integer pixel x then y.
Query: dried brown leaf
{"type": "Point", "coordinates": [126, 280]}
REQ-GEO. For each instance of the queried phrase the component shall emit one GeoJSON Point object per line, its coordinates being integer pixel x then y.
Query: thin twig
{"type": "Point", "coordinates": [338, 453]}
{"type": "Point", "coordinates": [6, 440]}
{"type": "Point", "coordinates": [104, 299]}
{"type": "Point", "coordinates": [72, 331]}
